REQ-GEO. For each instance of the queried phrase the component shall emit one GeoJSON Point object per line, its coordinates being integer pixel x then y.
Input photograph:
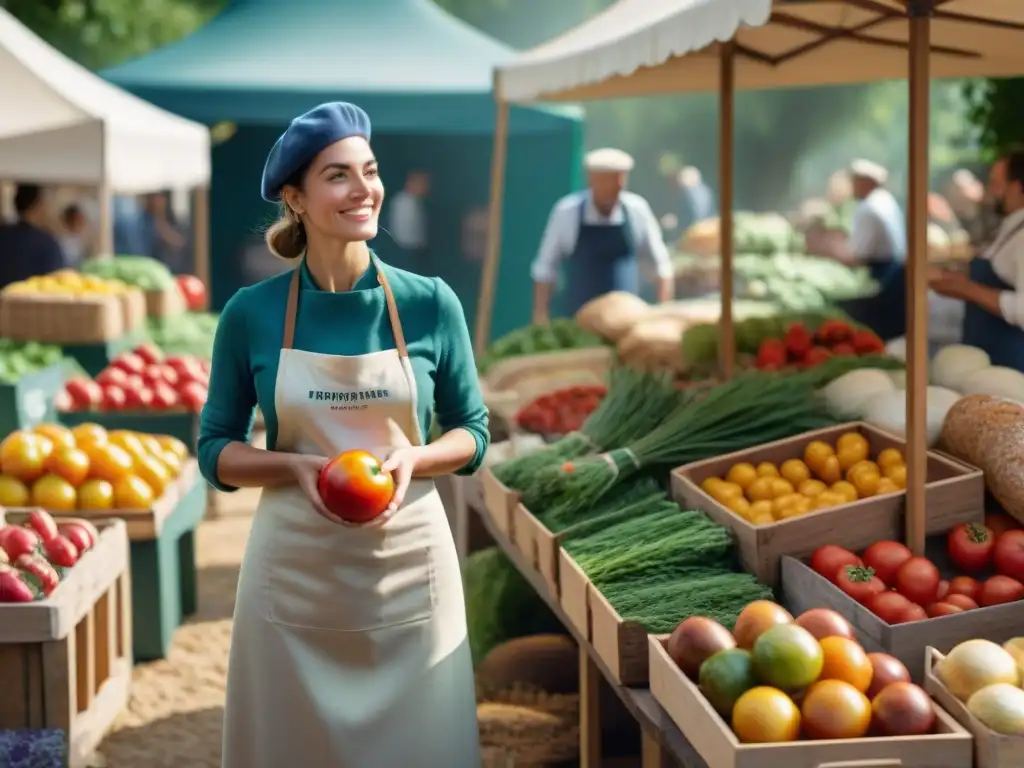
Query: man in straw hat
{"type": "Point", "coordinates": [878, 240]}
{"type": "Point", "coordinates": [599, 234]}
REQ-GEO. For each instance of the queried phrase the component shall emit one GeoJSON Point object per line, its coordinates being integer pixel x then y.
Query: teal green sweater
{"type": "Point", "coordinates": [247, 348]}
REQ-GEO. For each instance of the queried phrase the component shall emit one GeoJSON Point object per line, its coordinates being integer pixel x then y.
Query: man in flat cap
{"type": "Point", "coordinates": [878, 240]}
{"type": "Point", "coordinates": [600, 234]}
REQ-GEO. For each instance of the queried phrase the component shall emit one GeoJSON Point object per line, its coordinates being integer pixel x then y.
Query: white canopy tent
{"type": "Point", "coordinates": [646, 47]}
{"type": "Point", "coordinates": [62, 124]}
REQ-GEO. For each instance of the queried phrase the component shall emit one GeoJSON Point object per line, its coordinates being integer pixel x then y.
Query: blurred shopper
{"type": "Point", "coordinates": [407, 221]}
{"type": "Point", "coordinates": [163, 241]}
{"type": "Point", "coordinates": [599, 233]}
{"type": "Point", "coordinates": [74, 239]}
{"type": "Point", "coordinates": [696, 200]}
{"type": "Point", "coordinates": [27, 248]}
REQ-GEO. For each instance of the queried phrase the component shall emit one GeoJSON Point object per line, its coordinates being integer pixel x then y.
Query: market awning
{"type": "Point", "coordinates": [643, 47]}
{"type": "Point", "coordinates": [61, 123]}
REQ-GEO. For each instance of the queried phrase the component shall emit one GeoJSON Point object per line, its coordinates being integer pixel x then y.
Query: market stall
{"type": "Point", "coordinates": [73, 127]}
{"type": "Point", "coordinates": [626, 51]}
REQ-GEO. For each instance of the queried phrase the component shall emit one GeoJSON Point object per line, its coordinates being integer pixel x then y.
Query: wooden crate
{"type": "Point", "coordinates": [500, 502]}
{"type": "Point", "coordinates": [949, 747]}
{"type": "Point", "coordinates": [66, 661]}
{"type": "Point", "coordinates": [991, 749]}
{"type": "Point", "coordinates": [165, 303]}
{"type": "Point", "coordinates": [620, 644]}
{"type": "Point", "coordinates": [133, 306]}
{"type": "Point", "coordinates": [163, 560]}
{"type": "Point", "coordinates": [524, 525]}
{"type": "Point", "coordinates": [31, 399]}
{"type": "Point", "coordinates": [574, 587]}
{"type": "Point", "coordinates": [61, 319]}
{"type": "Point", "coordinates": [955, 493]}
{"type": "Point", "coordinates": [803, 589]}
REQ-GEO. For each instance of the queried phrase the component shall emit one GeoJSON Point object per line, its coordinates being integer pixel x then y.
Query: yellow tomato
{"type": "Point", "coordinates": [13, 492]}
{"type": "Point", "coordinates": [89, 433]}
{"type": "Point", "coordinates": [108, 462]}
{"type": "Point", "coordinates": [761, 489]}
{"type": "Point", "coordinates": [725, 492]}
{"type": "Point", "coordinates": [743, 474]}
{"type": "Point", "coordinates": [152, 445]}
{"type": "Point", "coordinates": [795, 471]}
{"type": "Point", "coordinates": [60, 436]}
{"type": "Point", "coordinates": [96, 494]}
{"type": "Point", "coordinates": [815, 454]}
{"type": "Point", "coordinates": [132, 492]}
{"type": "Point", "coordinates": [827, 500]}
{"type": "Point", "coordinates": [763, 520]}
{"type": "Point", "coordinates": [783, 503]}
{"type": "Point", "coordinates": [156, 474]}
{"type": "Point", "coordinates": [175, 445]}
{"type": "Point", "coordinates": [171, 461]}
{"type": "Point", "coordinates": [845, 489]}
{"type": "Point", "coordinates": [866, 482]}
{"type": "Point", "coordinates": [885, 485]}
{"type": "Point", "coordinates": [739, 505]}
{"type": "Point", "coordinates": [889, 457]}
{"type": "Point", "coordinates": [767, 469]}
{"type": "Point", "coordinates": [23, 455]}
{"type": "Point", "coordinates": [781, 487]}
{"type": "Point", "coordinates": [760, 509]}
{"type": "Point", "coordinates": [54, 492]}
{"type": "Point", "coordinates": [801, 506]}
{"type": "Point", "coordinates": [709, 484]}
{"type": "Point", "coordinates": [131, 443]}
{"type": "Point", "coordinates": [70, 463]}
{"type": "Point", "coordinates": [828, 471]}
{"type": "Point", "coordinates": [811, 488]}
{"type": "Point", "coordinates": [898, 474]}
{"type": "Point", "coordinates": [851, 448]}
{"type": "Point", "coordinates": [862, 466]}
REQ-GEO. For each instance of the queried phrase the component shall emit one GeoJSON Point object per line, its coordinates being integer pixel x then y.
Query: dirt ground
{"type": "Point", "coordinates": [175, 715]}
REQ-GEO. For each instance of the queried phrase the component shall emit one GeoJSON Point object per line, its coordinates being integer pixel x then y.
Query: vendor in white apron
{"type": "Point", "coordinates": [993, 288]}
{"type": "Point", "coordinates": [606, 236]}
{"type": "Point", "coordinates": [878, 240]}
{"type": "Point", "coordinates": [349, 645]}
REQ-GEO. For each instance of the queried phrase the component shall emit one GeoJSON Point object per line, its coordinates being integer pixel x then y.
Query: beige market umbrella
{"type": "Point", "coordinates": [645, 47]}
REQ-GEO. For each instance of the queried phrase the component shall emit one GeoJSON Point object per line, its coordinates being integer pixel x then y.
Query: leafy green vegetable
{"type": "Point", "coordinates": [139, 271]}
{"type": "Point", "coordinates": [561, 333]}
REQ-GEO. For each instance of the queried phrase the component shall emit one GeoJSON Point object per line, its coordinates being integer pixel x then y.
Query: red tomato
{"type": "Point", "coordinates": [37, 572]}
{"type": "Point", "coordinates": [19, 541]}
{"type": "Point", "coordinates": [1000, 523]}
{"type": "Point", "coordinates": [1008, 556]}
{"type": "Point", "coordinates": [887, 670]}
{"type": "Point", "coordinates": [914, 612]}
{"type": "Point", "coordinates": [886, 557]}
{"type": "Point", "coordinates": [77, 535]}
{"type": "Point", "coordinates": [889, 606]}
{"type": "Point", "coordinates": [903, 709]}
{"type": "Point", "coordinates": [129, 362]}
{"type": "Point", "coordinates": [14, 588]}
{"type": "Point", "coordinates": [918, 580]}
{"type": "Point", "coordinates": [354, 488]}
{"type": "Point", "coordinates": [113, 398]}
{"type": "Point", "coordinates": [149, 353]}
{"type": "Point", "coordinates": [858, 582]}
{"type": "Point", "coordinates": [1001, 589]}
{"type": "Point", "coordinates": [84, 394]}
{"type": "Point", "coordinates": [138, 399]}
{"type": "Point", "coordinates": [40, 521]}
{"type": "Point", "coordinates": [61, 551]}
{"type": "Point", "coordinates": [827, 560]}
{"type": "Point", "coordinates": [963, 602]}
{"type": "Point", "coordinates": [943, 609]}
{"type": "Point", "coordinates": [970, 547]}
{"type": "Point", "coordinates": [193, 396]}
{"type": "Point", "coordinates": [194, 291]}
{"type": "Point", "coordinates": [965, 585]}
{"type": "Point", "coordinates": [943, 590]}
{"type": "Point", "coordinates": [112, 376]}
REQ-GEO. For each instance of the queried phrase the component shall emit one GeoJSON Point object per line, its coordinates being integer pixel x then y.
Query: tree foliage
{"type": "Point", "coordinates": [996, 109]}
{"type": "Point", "coordinates": [99, 33]}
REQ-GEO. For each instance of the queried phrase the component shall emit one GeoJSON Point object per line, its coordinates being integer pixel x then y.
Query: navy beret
{"type": "Point", "coordinates": [305, 137]}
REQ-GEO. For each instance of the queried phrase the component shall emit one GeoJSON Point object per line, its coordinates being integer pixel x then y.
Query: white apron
{"type": "Point", "coordinates": [349, 646]}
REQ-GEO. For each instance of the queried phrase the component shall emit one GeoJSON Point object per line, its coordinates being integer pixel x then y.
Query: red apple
{"type": "Point", "coordinates": [111, 375]}
{"type": "Point", "coordinates": [165, 397]}
{"type": "Point", "coordinates": [193, 396]}
{"type": "Point", "coordinates": [83, 393]}
{"type": "Point", "coordinates": [138, 398]}
{"type": "Point", "coordinates": [149, 353]}
{"type": "Point", "coordinates": [194, 291]}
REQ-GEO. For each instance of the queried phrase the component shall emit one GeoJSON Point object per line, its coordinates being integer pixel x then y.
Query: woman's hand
{"type": "Point", "coordinates": [401, 464]}
{"type": "Point", "coordinates": [306, 470]}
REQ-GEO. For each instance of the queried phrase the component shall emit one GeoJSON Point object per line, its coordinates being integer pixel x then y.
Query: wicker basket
{"type": "Point", "coordinates": [62, 319]}
{"type": "Point", "coordinates": [526, 727]}
{"type": "Point", "coordinates": [166, 303]}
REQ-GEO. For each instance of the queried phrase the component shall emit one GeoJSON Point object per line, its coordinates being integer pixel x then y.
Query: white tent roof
{"type": "Point", "coordinates": [638, 47]}
{"type": "Point", "coordinates": [61, 123]}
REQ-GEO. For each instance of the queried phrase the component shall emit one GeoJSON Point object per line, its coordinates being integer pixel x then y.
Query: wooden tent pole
{"type": "Point", "coordinates": [492, 257]}
{"type": "Point", "coordinates": [726, 147]}
{"type": "Point", "coordinates": [919, 12]}
{"type": "Point", "coordinates": [201, 236]}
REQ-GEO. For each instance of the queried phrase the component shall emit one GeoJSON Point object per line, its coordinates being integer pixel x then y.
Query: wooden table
{"type": "Point", "coordinates": [663, 743]}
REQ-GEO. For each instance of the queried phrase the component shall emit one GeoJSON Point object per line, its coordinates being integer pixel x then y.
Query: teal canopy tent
{"type": "Point", "coordinates": [425, 79]}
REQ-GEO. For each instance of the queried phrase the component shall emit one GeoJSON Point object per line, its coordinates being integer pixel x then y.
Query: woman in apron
{"type": "Point", "coordinates": [349, 646]}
